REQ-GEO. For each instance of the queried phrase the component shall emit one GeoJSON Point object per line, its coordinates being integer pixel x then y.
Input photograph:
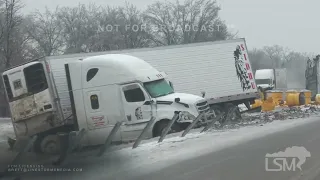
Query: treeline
{"type": "Point", "coordinates": [89, 28]}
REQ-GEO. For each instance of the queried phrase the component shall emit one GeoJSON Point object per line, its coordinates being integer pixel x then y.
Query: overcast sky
{"type": "Point", "coordinates": [291, 23]}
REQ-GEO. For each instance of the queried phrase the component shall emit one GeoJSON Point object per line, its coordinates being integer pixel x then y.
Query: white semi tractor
{"type": "Point", "coordinates": [71, 92]}
{"type": "Point", "coordinates": [271, 78]}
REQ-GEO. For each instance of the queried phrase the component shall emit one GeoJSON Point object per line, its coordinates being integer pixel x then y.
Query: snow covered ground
{"type": "Point", "coordinates": [176, 148]}
{"type": "Point", "coordinates": [151, 156]}
{"type": "Point", "coordinates": [6, 129]}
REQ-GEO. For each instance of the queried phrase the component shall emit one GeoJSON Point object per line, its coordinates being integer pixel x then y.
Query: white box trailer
{"type": "Point", "coordinates": [220, 69]}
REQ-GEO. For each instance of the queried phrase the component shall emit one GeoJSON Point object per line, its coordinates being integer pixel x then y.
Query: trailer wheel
{"type": "Point", "coordinates": [217, 109]}
{"type": "Point", "coordinates": [231, 114]}
{"type": "Point", "coordinates": [50, 144]}
{"type": "Point", "coordinates": [47, 144]}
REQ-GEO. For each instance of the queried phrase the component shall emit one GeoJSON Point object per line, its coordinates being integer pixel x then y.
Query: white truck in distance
{"type": "Point", "coordinates": [271, 78]}
{"type": "Point", "coordinates": [70, 92]}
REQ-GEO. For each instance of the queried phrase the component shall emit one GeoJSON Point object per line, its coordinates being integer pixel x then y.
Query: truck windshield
{"type": "Point", "coordinates": [263, 81]}
{"type": "Point", "coordinates": [158, 88]}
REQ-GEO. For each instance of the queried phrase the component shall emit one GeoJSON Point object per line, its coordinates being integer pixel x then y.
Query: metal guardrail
{"type": "Point", "coordinates": [167, 129]}
{"type": "Point", "coordinates": [214, 120]}
{"type": "Point", "coordinates": [109, 139]}
{"type": "Point", "coordinates": [144, 131]}
{"type": "Point", "coordinates": [187, 130]}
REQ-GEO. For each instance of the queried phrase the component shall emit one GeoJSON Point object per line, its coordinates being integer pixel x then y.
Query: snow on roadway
{"type": "Point", "coordinates": [151, 156]}
{"type": "Point", "coordinates": [195, 144]}
{"type": "Point", "coordinates": [6, 129]}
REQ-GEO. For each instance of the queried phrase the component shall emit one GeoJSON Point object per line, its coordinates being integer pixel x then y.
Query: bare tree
{"type": "Point", "coordinates": [275, 53]}
{"type": "Point", "coordinates": [13, 41]}
{"type": "Point", "coordinates": [11, 20]}
{"type": "Point", "coordinates": [161, 19]}
{"type": "Point", "coordinates": [108, 36]}
{"type": "Point", "coordinates": [132, 28]}
{"type": "Point", "coordinates": [200, 22]}
{"type": "Point", "coordinates": [79, 27]}
{"type": "Point", "coordinates": [191, 21]}
{"type": "Point", "coordinates": [45, 30]}
{"type": "Point", "coordinates": [258, 59]}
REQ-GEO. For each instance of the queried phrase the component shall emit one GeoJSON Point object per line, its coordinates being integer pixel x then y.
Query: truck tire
{"type": "Point", "coordinates": [217, 109]}
{"type": "Point", "coordinates": [47, 144]}
{"type": "Point", "coordinates": [50, 144]}
{"type": "Point", "coordinates": [161, 126]}
{"type": "Point", "coordinates": [235, 116]}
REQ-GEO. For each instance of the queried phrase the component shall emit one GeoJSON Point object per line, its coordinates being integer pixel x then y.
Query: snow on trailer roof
{"type": "Point", "coordinates": [120, 59]}
{"type": "Point", "coordinates": [34, 60]}
{"type": "Point", "coordinates": [84, 55]}
{"type": "Point", "coordinates": [263, 73]}
{"type": "Point", "coordinates": [19, 67]}
{"type": "Point", "coordinates": [133, 66]}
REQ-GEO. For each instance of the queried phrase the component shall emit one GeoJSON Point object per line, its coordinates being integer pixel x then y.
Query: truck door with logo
{"type": "Point", "coordinates": [137, 109]}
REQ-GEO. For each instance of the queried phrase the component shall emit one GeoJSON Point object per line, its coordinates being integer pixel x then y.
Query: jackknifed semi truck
{"type": "Point", "coordinates": [94, 91]}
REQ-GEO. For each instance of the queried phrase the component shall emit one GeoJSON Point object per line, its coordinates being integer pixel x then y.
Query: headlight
{"type": "Point", "coordinates": [186, 116]}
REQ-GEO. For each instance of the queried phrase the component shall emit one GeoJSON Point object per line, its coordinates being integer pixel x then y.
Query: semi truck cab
{"type": "Point", "coordinates": [265, 78]}
{"type": "Point", "coordinates": [101, 90]}
{"type": "Point", "coordinates": [124, 88]}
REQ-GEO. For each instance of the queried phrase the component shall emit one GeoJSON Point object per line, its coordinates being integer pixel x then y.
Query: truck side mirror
{"type": "Point", "coordinates": [170, 83]}
{"type": "Point", "coordinates": [203, 93]}
{"type": "Point", "coordinates": [177, 100]}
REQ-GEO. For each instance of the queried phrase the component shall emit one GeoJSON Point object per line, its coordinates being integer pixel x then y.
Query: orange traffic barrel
{"type": "Point", "coordinates": [317, 99]}
{"type": "Point", "coordinates": [295, 98]}
{"type": "Point", "coordinates": [268, 105]}
{"type": "Point", "coordinates": [276, 95]}
{"type": "Point", "coordinates": [307, 94]}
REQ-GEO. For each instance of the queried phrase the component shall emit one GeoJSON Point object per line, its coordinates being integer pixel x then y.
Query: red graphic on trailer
{"type": "Point", "coordinates": [241, 69]}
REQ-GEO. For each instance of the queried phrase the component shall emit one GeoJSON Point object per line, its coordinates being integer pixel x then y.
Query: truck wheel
{"type": "Point", "coordinates": [231, 114]}
{"type": "Point", "coordinates": [161, 126]}
{"type": "Point", "coordinates": [217, 109]}
{"type": "Point", "coordinates": [50, 144]}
